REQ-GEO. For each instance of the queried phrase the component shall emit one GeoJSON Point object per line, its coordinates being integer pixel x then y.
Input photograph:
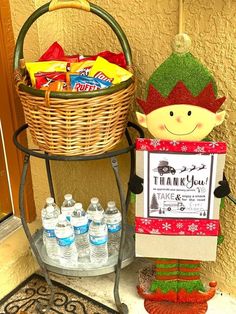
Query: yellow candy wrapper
{"type": "Point", "coordinates": [110, 72]}
{"type": "Point", "coordinates": [82, 68]}
{"type": "Point", "coordinates": [45, 66]}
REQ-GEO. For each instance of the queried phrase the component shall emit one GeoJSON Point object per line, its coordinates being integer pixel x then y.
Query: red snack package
{"type": "Point", "coordinates": [70, 59]}
{"type": "Point", "coordinates": [116, 58]}
{"type": "Point", "coordinates": [44, 79]}
{"type": "Point", "coordinates": [54, 52]}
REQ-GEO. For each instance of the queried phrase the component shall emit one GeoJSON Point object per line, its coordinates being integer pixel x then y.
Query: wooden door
{"type": "Point", "coordinates": [6, 206]}
{"type": "Point", "coordinates": [11, 117]}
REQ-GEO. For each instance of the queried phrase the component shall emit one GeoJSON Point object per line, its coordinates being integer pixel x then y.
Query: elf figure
{"type": "Point", "coordinates": [181, 104]}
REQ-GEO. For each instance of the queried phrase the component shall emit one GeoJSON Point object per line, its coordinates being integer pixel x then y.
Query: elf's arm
{"type": "Point", "coordinates": [223, 189]}
{"type": "Point", "coordinates": [136, 184]}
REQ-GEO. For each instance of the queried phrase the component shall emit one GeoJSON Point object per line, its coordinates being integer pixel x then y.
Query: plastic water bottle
{"type": "Point", "coordinates": [94, 207]}
{"type": "Point", "coordinates": [79, 221]}
{"type": "Point", "coordinates": [50, 201]}
{"type": "Point", "coordinates": [113, 220]}
{"type": "Point", "coordinates": [68, 206]}
{"type": "Point", "coordinates": [49, 215]}
{"type": "Point", "coordinates": [68, 255]}
{"type": "Point", "coordinates": [98, 236]}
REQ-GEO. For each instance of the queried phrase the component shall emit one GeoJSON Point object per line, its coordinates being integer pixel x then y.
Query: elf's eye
{"type": "Point", "coordinates": [171, 113]}
{"type": "Point", "coordinates": [189, 113]}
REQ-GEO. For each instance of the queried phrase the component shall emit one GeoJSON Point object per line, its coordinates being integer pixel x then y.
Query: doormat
{"type": "Point", "coordinates": [35, 289]}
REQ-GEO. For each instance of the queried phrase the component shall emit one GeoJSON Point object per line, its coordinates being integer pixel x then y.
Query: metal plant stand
{"type": "Point", "coordinates": [126, 253]}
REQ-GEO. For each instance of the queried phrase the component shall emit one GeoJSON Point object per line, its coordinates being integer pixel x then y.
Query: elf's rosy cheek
{"type": "Point", "coordinates": [218, 118]}
{"type": "Point", "coordinates": [200, 125]}
{"type": "Point", "coordinates": [162, 127]}
{"type": "Point", "coordinates": [141, 119]}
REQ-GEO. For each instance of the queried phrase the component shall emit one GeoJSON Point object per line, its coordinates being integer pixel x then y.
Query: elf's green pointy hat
{"type": "Point", "coordinates": [181, 79]}
{"type": "Point", "coordinates": [183, 68]}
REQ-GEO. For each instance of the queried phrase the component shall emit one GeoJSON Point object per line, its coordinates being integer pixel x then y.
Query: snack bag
{"type": "Point", "coordinates": [82, 67]}
{"type": "Point", "coordinates": [110, 72]}
{"type": "Point", "coordinates": [57, 86]}
{"type": "Point", "coordinates": [81, 83]}
{"type": "Point", "coordinates": [46, 66]}
{"type": "Point", "coordinates": [55, 81]}
{"type": "Point", "coordinates": [116, 58]}
{"type": "Point", "coordinates": [54, 52]}
{"type": "Point", "coordinates": [70, 59]}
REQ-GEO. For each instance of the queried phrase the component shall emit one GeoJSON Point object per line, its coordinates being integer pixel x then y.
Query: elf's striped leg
{"type": "Point", "coordinates": [189, 282]}
{"type": "Point", "coordinates": [165, 284]}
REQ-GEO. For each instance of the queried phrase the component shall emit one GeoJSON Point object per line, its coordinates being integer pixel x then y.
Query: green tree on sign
{"type": "Point", "coordinates": [154, 203]}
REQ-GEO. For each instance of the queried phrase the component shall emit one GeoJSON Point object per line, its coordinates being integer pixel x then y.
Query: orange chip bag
{"type": "Point", "coordinates": [45, 66]}
{"type": "Point", "coordinates": [82, 68]}
{"type": "Point", "coordinates": [55, 87]}
{"type": "Point", "coordinates": [107, 71]}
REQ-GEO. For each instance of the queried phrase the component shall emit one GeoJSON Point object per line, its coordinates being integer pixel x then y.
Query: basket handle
{"type": "Point", "coordinates": [79, 4]}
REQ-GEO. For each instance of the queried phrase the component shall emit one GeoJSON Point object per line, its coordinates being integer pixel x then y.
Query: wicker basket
{"type": "Point", "coordinates": [71, 123]}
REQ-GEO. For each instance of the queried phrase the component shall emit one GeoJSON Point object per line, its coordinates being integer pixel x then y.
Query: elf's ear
{"type": "Point", "coordinates": [220, 116]}
{"type": "Point", "coordinates": [142, 120]}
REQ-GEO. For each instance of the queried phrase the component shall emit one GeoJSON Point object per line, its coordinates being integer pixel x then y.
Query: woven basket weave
{"type": "Point", "coordinates": [71, 123]}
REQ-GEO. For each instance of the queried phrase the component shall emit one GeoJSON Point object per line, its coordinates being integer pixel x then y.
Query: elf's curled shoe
{"type": "Point", "coordinates": [156, 307]}
{"type": "Point", "coordinates": [182, 296]}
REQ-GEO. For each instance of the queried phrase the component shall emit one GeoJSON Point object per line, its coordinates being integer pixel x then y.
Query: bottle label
{"type": "Point", "coordinates": [50, 233]}
{"type": "Point", "coordinates": [66, 241]}
{"type": "Point", "coordinates": [112, 228]}
{"type": "Point", "coordinates": [98, 240]}
{"type": "Point", "coordinates": [81, 229]}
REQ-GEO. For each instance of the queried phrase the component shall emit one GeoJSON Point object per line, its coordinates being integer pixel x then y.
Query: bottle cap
{"type": "Point", "coordinates": [49, 200]}
{"type": "Point", "coordinates": [68, 197]}
{"type": "Point", "coordinates": [78, 206]}
{"type": "Point", "coordinates": [94, 200]}
{"type": "Point", "coordinates": [61, 218]}
{"type": "Point", "coordinates": [111, 204]}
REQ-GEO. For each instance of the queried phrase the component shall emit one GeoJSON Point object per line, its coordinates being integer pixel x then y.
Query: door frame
{"type": "Point", "coordinates": [11, 114]}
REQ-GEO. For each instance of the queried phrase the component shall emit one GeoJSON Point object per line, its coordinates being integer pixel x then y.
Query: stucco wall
{"type": "Point", "coordinates": [150, 27]}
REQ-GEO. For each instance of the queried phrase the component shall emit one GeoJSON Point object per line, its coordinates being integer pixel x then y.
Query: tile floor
{"type": "Point", "coordinates": [101, 289]}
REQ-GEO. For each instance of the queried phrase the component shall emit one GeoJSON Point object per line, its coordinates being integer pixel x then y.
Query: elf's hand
{"type": "Point", "coordinates": [223, 189]}
{"type": "Point", "coordinates": [136, 184]}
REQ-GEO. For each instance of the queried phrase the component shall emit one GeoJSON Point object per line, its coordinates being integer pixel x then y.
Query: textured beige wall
{"type": "Point", "coordinates": [150, 27]}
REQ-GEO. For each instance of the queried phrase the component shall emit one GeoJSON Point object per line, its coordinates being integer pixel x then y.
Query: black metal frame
{"type": "Point", "coordinates": [124, 201]}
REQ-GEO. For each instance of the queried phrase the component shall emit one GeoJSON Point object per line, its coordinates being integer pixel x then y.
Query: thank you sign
{"type": "Point", "coordinates": [178, 203]}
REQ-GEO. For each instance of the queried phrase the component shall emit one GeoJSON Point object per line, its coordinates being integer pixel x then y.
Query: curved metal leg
{"type": "Point", "coordinates": [122, 308]}
{"type": "Point", "coordinates": [49, 175]}
{"type": "Point", "coordinates": [41, 308]}
{"type": "Point", "coordinates": [132, 167]}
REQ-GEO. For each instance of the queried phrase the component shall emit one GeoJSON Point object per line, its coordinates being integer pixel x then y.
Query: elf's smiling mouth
{"type": "Point", "coordinates": [180, 133]}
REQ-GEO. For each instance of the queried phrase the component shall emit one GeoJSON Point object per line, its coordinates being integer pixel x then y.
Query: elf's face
{"type": "Point", "coordinates": [181, 122]}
